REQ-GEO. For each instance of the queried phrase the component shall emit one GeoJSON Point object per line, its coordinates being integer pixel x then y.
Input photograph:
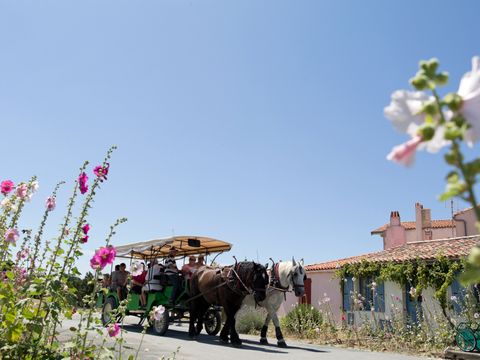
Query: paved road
{"type": "Point", "coordinates": [209, 348]}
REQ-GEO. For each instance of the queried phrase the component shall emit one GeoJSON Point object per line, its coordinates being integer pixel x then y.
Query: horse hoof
{"type": "Point", "coordinates": [282, 344]}
{"type": "Point", "coordinates": [264, 341]}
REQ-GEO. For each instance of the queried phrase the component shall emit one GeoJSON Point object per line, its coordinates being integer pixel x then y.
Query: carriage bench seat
{"type": "Point", "coordinates": [164, 279]}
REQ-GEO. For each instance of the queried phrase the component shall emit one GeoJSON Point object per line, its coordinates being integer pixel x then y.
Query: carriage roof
{"type": "Point", "coordinates": [185, 245]}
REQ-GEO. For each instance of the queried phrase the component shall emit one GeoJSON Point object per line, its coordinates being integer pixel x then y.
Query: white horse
{"type": "Point", "coordinates": [282, 276]}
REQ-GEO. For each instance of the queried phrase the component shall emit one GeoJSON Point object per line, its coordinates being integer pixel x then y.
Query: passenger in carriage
{"type": "Point", "coordinates": [120, 283]}
{"type": "Point", "coordinates": [171, 270]}
{"type": "Point", "coordinates": [189, 268]}
{"type": "Point", "coordinates": [138, 281]}
{"type": "Point", "coordinates": [200, 261]}
{"type": "Point", "coordinates": [106, 281]}
{"type": "Point", "coordinates": [151, 284]}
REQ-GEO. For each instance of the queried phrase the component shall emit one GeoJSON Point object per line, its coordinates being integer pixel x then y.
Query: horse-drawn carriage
{"type": "Point", "coordinates": [152, 251]}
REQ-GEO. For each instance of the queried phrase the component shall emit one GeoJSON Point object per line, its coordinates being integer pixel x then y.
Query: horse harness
{"type": "Point", "coordinates": [277, 285]}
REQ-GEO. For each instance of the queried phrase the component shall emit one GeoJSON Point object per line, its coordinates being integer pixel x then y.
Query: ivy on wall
{"type": "Point", "coordinates": [438, 273]}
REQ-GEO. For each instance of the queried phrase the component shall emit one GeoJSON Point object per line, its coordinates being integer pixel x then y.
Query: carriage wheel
{"type": "Point", "coordinates": [212, 321]}
{"type": "Point", "coordinates": [160, 326]}
{"type": "Point", "coordinates": [108, 307]}
{"type": "Point", "coordinates": [465, 338]}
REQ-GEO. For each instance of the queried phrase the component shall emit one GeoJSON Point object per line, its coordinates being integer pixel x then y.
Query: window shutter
{"type": "Point", "coordinates": [347, 289]}
{"type": "Point", "coordinates": [459, 292]}
{"type": "Point", "coordinates": [380, 297]}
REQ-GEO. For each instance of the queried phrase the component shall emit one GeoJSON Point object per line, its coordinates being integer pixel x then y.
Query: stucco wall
{"type": "Point", "coordinates": [323, 283]}
{"type": "Point", "coordinates": [469, 217]}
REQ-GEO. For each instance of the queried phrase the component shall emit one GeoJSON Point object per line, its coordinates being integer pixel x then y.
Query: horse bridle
{"type": "Point", "coordinates": [296, 286]}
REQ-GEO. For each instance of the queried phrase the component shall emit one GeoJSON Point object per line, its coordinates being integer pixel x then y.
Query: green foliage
{"type": "Point", "coordinates": [439, 273]}
{"type": "Point", "coordinates": [303, 320]}
{"type": "Point", "coordinates": [250, 320]}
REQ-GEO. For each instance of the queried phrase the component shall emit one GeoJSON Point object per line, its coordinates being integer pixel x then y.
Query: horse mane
{"type": "Point", "coordinates": [284, 268]}
{"type": "Point", "coordinates": [245, 268]}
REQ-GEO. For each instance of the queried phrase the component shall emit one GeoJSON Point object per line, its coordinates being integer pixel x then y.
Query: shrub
{"type": "Point", "coordinates": [250, 320]}
{"type": "Point", "coordinates": [303, 320]}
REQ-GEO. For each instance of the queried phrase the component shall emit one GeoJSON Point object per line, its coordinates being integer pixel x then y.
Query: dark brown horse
{"type": "Point", "coordinates": [225, 287]}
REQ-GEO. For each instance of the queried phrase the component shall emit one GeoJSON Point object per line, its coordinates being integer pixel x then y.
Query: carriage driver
{"type": "Point", "coordinates": [172, 271]}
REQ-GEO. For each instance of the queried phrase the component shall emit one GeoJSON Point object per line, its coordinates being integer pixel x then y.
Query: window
{"type": "Point", "coordinates": [373, 294]}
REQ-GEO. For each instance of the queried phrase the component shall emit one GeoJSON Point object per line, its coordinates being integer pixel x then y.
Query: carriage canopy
{"type": "Point", "coordinates": [185, 245]}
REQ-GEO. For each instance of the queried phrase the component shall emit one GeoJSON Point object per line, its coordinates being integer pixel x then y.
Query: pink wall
{"type": "Point", "coordinates": [323, 282]}
{"type": "Point", "coordinates": [469, 217]}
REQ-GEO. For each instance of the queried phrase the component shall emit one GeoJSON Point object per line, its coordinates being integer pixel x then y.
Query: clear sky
{"type": "Point", "coordinates": [256, 122]}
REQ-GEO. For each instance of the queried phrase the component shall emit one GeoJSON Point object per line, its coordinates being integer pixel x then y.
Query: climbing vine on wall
{"type": "Point", "coordinates": [438, 273]}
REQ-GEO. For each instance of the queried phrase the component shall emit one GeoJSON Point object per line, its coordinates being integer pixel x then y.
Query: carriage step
{"type": "Point", "coordinates": [136, 311]}
{"type": "Point", "coordinates": [460, 355]}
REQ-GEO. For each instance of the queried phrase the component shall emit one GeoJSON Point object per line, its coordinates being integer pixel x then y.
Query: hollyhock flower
{"type": "Point", "coordinates": [23, 254]}
{"type": "Point", "coordinates": [82, 180]}
{"type": "Point", "coordinates": [103, 257]}
{"type": "Point", "coordinates": [95, 263]}
{"type": "Point", "coordinates": [469, 91]}
{"type": "Point", "coordinates": [476, 316]}
{"type": "Point", "coordinates": [136, 269]}
{"type": "Point", "coordinates": [404, 109]}
{"type": "Point", "coordinates": [101, 171]}
{"type": "Point", "coordinates": [50, 203]}
{"type": "Point", "coordinates": [86, 229]}
{"type": "Point", "coordinates": [113, 330]}
{"type": "Point", "coordinates": [21, 191]}
{"type": "Point", "coordinates": [158, 312]}
{"type": "Point", "coordinates": [35, 186]}
{"type": "Point", "coordinates": [8, 205]}
{"type": "Point", "coordinates": [6, 186]}
{"type": "Point", "coordinates": [405, 153]}
{"type": "Point", "coordinates": [84, 239]}
{"type": "Point", "coordinates": [11, 236]}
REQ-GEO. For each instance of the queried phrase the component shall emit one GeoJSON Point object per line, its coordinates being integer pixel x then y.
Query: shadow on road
{"type": "Point", "coordinates": [214, 340]}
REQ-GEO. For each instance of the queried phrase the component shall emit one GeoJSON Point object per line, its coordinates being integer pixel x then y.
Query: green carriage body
{"type": "Point", "coordinates": [157, 249]}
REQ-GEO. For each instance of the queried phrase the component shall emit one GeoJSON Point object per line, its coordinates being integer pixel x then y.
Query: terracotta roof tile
{"type": "Point", "coordinates": [411, 225]}
{"type": "Point", "coordinates": [453, 248]}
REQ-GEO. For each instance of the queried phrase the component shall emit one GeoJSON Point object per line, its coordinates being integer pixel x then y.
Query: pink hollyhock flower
{"type": "Point", "coordinates": [22, 191]}
{"type": "Point", "coordinates": [82, 180]}
{"type": "Point", "coordinates": [86, 229]}
{"type": "Point", "coordinates": [113, 330]}
{"type": "Point", "coordinates": [95, 262]}
{"type": "Point", "coordinates": [103, 257]}
{"type": "Point", "coordinates": [6, 186]}
{"type": "Point", "coordinates": [50, 203]}
{"type": "Point", "coordinates": [35, 186]}
{"type": "Point", "coordinates": [136, 268]}
{"type": "Point", "coordinates": [84, 239]}
{"type": "Point", "coordinates": [101, 171]}
{"type": "Point", "coordinates": [405, 153]}
{"type": "Point", "coordinates": [11, 236]}
{"type": "Point", "coordinates": [23, 254]}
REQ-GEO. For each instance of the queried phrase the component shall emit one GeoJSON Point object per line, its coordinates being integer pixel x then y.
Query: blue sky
{"type": "Point", "coordinates": [256, 122]}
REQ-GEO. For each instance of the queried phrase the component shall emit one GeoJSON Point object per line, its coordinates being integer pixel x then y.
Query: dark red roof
{"type": "Point", "coordinates": [411, 225]}
{"type": "Point", "coordinates": [453, 248]}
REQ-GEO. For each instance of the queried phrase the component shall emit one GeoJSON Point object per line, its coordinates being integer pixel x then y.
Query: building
{"type": "Point", "coordinates": [424, 239]}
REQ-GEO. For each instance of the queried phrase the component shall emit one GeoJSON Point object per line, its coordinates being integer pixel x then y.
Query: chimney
{"type": "Point", "coordinates": [418, 221]}
{"type": "Point", "coordinates": [395, 233]}
{"type": "Point", "coordinates": [427, 224]}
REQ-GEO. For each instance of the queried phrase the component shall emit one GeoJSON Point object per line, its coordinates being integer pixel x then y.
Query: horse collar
{"type": "Point", "coordinates": [276, 278]}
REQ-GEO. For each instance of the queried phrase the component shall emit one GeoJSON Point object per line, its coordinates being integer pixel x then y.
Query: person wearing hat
{"type": "Point", "coordinates": [171, 270]}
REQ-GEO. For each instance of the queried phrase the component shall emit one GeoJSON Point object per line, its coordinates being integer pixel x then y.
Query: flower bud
{"type": "Point", "coordinates": [453, 101]}
{"type": "Point", "coordinates": [427, 132]}
{"type": "Point", "coordinates": [441, 78]}
{"type": "Point", "coordinates": [419, 82]}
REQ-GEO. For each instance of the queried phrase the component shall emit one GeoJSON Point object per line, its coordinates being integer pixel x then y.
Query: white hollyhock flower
{"type": "Point", "coordinates": [404, 109]}
{"type": "Point", "coordinates": [469, 91]}
{"type": "Point", "coordinates": [158, 312]}
{"type": "Point", "coordinates": [136, 269]}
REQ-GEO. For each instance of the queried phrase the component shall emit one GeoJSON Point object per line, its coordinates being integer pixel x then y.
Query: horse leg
{"type": "Point", "coordinates": [234, 338]}
{"type": "Point", "coordinates": [263, 333]}
{"type": "Point", "coordinates": [225, 330]}
{"type": "Point", "coordinates": [201, 314]}
{"type": "Point", "coordinates": [191, 326]}
{"type": "Point", "coordinates": [278, 332]}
